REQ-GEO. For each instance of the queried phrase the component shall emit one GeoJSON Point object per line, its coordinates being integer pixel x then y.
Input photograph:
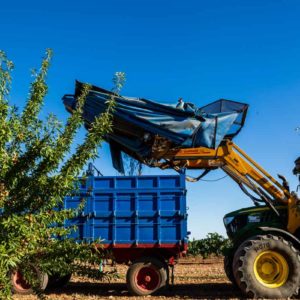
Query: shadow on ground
{"type": "Point", "coordinates": [190, 290]}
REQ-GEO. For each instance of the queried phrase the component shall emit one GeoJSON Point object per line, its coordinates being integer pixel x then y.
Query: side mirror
{"type": "Point", "coordinates": [296, 170]}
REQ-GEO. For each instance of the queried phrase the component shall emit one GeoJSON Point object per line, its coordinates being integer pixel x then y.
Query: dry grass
{"type": "Point", "coordinates": [194, 279]}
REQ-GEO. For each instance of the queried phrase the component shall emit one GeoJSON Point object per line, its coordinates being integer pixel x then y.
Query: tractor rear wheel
{"type": "Point", "coordinates": [146, 276]}
{"type": "Point", "coordinates": [267, 266]}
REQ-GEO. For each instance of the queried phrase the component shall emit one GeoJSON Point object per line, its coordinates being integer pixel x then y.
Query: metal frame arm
{"type": "Point", "coordinates": [243, 170]}
{"type": "Point", "coordinates": [237, 164]}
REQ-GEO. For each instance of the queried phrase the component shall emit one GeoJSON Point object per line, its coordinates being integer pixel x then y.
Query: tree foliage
{"type": "Point", "coordinates": [212, 244]}
{"type": "Point", "coordinates": [37, 172]}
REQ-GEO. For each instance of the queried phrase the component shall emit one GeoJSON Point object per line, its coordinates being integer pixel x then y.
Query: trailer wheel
{"type": "Point", "coordinates": [57, 281]}
{"type": "Point", "coordinates": [267, 267]}
{"type": "Point", "coordinates": [145, 276]}
{"type": "Point", "coordinates": [21, 286]}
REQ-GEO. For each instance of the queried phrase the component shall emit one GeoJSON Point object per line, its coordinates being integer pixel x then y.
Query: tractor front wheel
{"type": "Point", "coordinates": [267, 266]}
{"type": "Point", "coordinates": [228, 261]}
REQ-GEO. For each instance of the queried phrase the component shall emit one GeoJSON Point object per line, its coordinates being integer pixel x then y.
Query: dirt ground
{"type": "Point", "coordinates": [194, 279]}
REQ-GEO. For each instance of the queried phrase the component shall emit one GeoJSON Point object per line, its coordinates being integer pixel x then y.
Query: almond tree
{"type": "Point", "coordinates": [37, 172]}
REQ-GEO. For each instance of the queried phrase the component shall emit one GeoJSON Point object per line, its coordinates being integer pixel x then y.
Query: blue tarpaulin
{"type": "Point", "coordinates": [140, 124]}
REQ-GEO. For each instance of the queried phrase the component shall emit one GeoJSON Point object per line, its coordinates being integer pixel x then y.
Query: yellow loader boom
{"type": "Point", "coordinates": [243, 170]}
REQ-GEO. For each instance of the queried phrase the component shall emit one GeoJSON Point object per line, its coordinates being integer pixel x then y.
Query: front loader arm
{"type": "Point", "coordinates": [243, 170]}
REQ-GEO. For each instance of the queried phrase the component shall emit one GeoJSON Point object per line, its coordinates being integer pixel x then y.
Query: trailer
{"type": "Point", "coordinates": [142, 220]}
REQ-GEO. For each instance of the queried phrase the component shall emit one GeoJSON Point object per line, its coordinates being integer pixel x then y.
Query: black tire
{"type": "Point", "coordinates": [228, 268]}
{"type": "Point", "coordinates": [267, 266]}
{"type": "Point", "coordinates": [146, 276]}
{"type": "Point", "coordinates": [57, 281]}
{"type": "Point", "coordinates": [20, 286]}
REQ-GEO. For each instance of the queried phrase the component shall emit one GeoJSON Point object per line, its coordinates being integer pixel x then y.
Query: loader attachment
{"type": "Point", "coordinates": [146, 130]}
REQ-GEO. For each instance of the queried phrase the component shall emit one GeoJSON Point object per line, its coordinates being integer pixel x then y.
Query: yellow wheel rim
{"type": "Point", "coordinates": [271, 269]}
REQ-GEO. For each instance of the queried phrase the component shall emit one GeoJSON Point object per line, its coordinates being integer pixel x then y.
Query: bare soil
{"type": "Point", "coordinates": [194, 279]}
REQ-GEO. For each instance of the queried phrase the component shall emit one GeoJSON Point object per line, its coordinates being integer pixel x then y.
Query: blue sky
{"type": "Point", "coordinates": [199, 50]}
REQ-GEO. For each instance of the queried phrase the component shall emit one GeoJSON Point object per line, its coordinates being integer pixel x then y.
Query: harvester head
{"type": "Point", "coordinates": [147, 130]}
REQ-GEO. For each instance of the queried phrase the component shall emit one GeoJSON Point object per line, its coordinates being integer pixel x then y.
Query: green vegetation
{"type": "Point", "coordinates": [213, 244]}
{"type": "Point", "coordinates": [37, 172]}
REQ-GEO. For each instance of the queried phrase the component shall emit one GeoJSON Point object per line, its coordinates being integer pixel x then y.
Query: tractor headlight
{"type": "Point", "coordinates": [228, 220]}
